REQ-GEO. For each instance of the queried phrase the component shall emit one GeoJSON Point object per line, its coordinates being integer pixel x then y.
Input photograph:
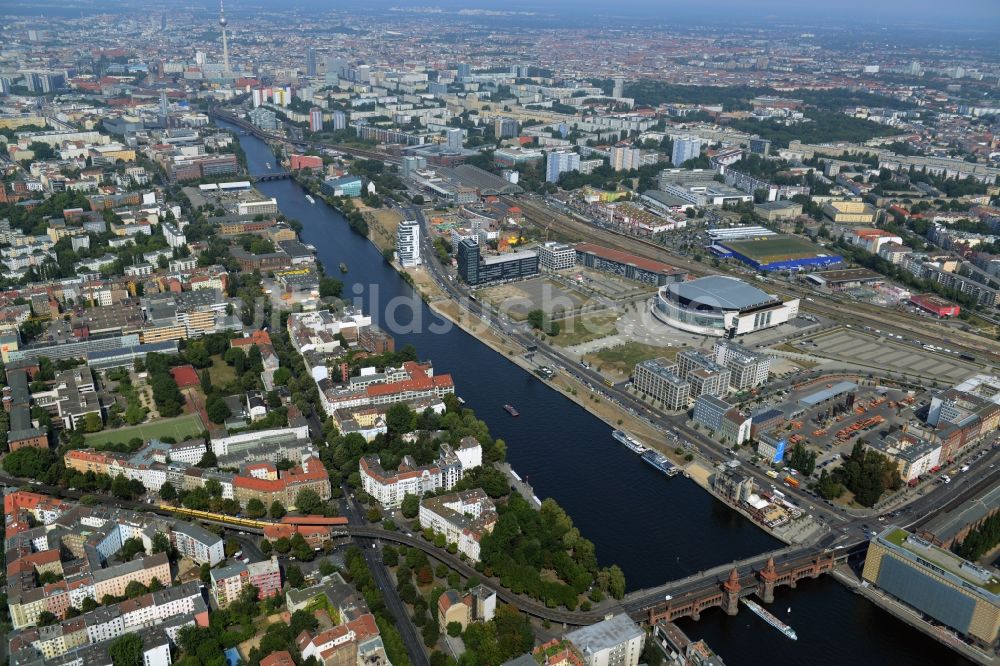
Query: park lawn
{"type": "Point", "coordinates": [221, 372]}
{"type": "Point", "coordinates": [622, 358]}
{"type": "Point", "coordinates": [180, 428]}
{"type": "Point", "coordinates": [579, 329]}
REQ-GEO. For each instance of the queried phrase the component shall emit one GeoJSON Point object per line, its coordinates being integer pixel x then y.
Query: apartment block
{"type": "Point", "coordinates": [658, 378]}
{"type": "Point", "coordinates": [389, 487]}
{"type": "Point", "coordinates": [463, 518]}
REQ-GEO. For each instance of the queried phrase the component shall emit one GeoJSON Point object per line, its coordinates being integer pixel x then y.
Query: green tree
{"type": "Point", "coordinates": [410, 506]}
{"type": "Point", "coordinates": [42, 151]}
{"type": "Point", "coordinates": [277, 511]}
{"type": "Point", "coordinates": [167, 492]}
{"type": "Point", "coordinates": [161, 543]}
{"type": "Point", "coordinates": [29, 462]}
{"type": "Point", "coordinates": [454, 629]}
{"type": "Point", "coordinates": [126, 651]}
{"type": "Point", "coordinates": [121, 488]}
{"type": "Point", "coordinates": [802, 459]}
{"type": "Point", "coordinates": [135, 413]}
{"type": "Point", "coordinates": [213, 488]}
{"type": "Point", "coordinates": [46, 618]}
{"type": "Point", "coordinates": [217, 409]}
{"type": "Point", "coordinates": [308, 501]}
{"type": "Point", "coordinates": [330, 287]}
{"type": "Point", "coordinates": [135, 589]}
{"type": "Point", "coordinates": [255, 508]}
{"type": "Point", "coordinates": [294, 576]}
{"type": "Point", "coordinates": [92, 423]}
{"type": "Point", "coordinates": [430, 634]}
{"type": "Point", "coordinates": [208, 460]}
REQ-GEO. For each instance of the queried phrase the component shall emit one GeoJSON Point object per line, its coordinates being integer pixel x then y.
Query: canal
{"type": "Point", "coordinates": [656, 529]}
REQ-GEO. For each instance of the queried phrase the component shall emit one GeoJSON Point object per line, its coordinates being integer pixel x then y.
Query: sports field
{"type": "Point", "coordinates": [180, 428]}
{"type": "Point", "coordinates": [774, 248]}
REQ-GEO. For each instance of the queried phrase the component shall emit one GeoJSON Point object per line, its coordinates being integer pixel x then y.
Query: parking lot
{"type": "Point", "coordinates": [886, 353]}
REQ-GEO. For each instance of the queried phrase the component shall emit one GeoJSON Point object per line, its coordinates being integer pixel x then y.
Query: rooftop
{"type": "Point", "coordinates": [721, 292]}
{"type": "Point", "coordinates": [985, 581]}
{"type": "Point", "coordinates": [605, 634]}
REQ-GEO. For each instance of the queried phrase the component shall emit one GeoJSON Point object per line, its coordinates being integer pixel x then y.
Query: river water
{"type": "Point", "coordinates": [656, 529]}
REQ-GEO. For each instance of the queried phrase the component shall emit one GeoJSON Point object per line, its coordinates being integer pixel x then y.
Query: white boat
{"type": "Point", "coordinates": [310, 199]}
{"type": "Point", "coordinates": [630, 442]}
{"type": "Point", "coordinates": [770, 619]}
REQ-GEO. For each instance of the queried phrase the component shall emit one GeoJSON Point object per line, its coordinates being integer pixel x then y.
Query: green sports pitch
{"type": "Point", "coordinates": [179, 427]}
{"type": "Point", "coordinates": [770, 249]}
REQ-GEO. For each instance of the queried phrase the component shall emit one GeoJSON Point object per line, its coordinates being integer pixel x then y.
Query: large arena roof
{"type": "Point", "coordinates": [720, 293]}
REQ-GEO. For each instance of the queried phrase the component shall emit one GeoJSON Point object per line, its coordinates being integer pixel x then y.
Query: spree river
{"type": "Point", "coordinates": [656, 529]}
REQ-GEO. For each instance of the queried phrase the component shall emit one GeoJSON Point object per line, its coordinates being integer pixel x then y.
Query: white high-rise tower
{"type": "Point", "coordinates": [225, 42]}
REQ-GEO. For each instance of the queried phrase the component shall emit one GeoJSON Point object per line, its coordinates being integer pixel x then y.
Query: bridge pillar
{"type": "Point", "coordinates": [767, 578]}
{"type": "Point", "coordinates": [731, 593]}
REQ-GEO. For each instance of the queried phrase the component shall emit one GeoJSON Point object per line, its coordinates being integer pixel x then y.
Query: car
{"type": "Point", "coordinates": [668, 597]}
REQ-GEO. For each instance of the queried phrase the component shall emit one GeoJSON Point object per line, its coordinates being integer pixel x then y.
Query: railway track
{"type": "Point", "coordinates": [863, 315]}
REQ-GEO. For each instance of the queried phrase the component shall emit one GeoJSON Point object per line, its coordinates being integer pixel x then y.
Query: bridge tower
{"type": "Point", "coordinates": [767, 578]}
{"type": "Point", "coordinates": [731, 593]}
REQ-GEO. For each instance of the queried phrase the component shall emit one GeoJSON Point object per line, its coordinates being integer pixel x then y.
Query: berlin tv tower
{"type": "Point", "coordinates": [225, 43]}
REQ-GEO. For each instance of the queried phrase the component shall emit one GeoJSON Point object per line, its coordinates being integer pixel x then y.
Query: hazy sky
{"type": "Point", "coordinates": [977, 14]}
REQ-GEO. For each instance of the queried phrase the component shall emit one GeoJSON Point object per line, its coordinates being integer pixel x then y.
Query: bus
{"type": "Point", "coordinates": [771, 473]}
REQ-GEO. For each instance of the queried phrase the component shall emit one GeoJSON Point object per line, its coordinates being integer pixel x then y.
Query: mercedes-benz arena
{"type": "Point", "coordinates": [720, 306]}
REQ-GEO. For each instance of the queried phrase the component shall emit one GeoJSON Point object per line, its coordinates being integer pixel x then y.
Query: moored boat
{"type": "Point", "coordinates": [630, 442]}
{"type": "Point", "coordinates": [660, 462]}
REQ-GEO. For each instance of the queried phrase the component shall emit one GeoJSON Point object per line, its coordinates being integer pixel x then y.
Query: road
{"type": "Point", "coordinates": [373, 558]}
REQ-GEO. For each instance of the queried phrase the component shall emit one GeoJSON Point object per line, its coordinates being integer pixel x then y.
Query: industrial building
{"type": "Point", "coordinates": [628, 266]}
{"type": "Point", "coordinates": [720, 306]}
{"type": "Point", "coordinates": [935, 305]}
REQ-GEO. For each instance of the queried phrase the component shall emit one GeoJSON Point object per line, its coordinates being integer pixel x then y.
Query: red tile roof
{"type": "Point", "coordinates": [281, 658]}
